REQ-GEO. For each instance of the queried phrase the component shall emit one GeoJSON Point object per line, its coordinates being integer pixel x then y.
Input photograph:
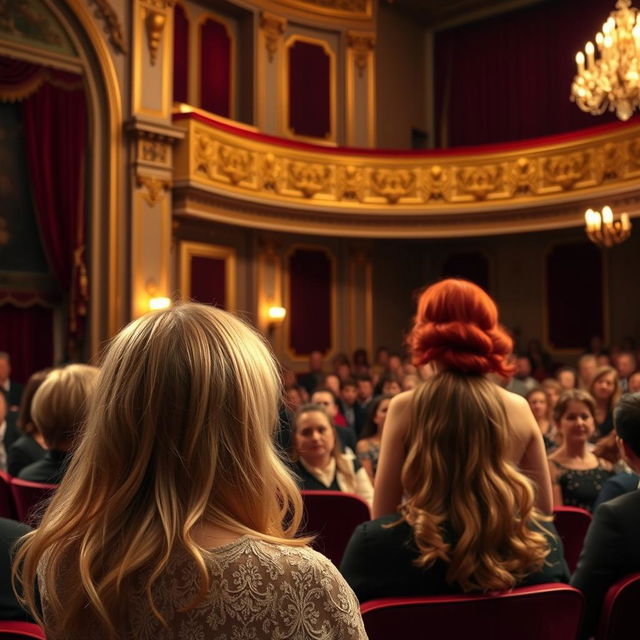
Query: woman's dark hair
{"type": "Point", "coordinates": [370, 427]}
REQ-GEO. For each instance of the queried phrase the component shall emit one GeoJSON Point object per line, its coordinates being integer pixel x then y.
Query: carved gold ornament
{"type": "Point", "coordinates": [361, 44]}
{"type": "Point", "coordinates": [237, 166]}
{"type": "Point", "coordinates": [155, 188]}
{"type": "Point", "coordinates": [273, 27]}
{"type": "Point", "coordinates": [154, 23]}
{"type": "Point", "coordinates": [106, 13]}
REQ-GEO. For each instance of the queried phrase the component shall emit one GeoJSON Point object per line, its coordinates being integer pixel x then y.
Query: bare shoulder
{"type": "Point", "coordinates": [518, 411]}
{"type": "Point", "coordinates": [402, 401]}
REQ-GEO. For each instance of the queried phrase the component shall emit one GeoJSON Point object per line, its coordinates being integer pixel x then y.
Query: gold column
{"type": "Point", "coordinates": [360, 299]}
{"type": "Point", "coordinates": [270, 62]}
{"type": "Point", "coordinates": [361, 96]}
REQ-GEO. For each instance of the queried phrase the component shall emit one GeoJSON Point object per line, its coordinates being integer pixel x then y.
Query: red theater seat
{"type": "Point", "coordinates": [542, 612]}
{"type": "Point", "coordinates": [333, 516]}
{"type": "Point", "coordinates": [572, 524]}
{"type": "Point", "coordinates": [10, 630]}
{"type": "Point", "coordinates": [619, 615]}
{"type": "Point", "coordinates": [28, 497]}
{"type": "Point", "coordinates": [7, 506]}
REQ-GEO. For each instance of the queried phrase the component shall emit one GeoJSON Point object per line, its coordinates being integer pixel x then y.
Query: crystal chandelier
{"type": "Point", "coordinates": [603, 230]}
{"type": "Point", "coordinates": [611, 80]}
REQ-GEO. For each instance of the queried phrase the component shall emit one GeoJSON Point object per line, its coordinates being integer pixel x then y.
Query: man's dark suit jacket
{"type": "Point", "coordinates": [10, 531]}
{"type": "Point", "coordinates": [611, 551]}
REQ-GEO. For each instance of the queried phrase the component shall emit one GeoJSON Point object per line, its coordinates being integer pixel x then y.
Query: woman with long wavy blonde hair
{"type": "Point", "coordinates": [467, 521]}
{"type": "Point", "coordinates": [169, 521]}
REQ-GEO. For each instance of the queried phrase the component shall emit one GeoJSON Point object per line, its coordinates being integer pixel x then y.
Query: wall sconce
{"type": "Point", "coordinates": [275, 317]}
{"type": "Point", "coordinates": [156, 302]}
{"type": "Point", "coordinates": [602, 229]}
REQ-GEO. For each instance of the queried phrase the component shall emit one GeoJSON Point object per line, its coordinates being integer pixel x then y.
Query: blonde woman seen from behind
{"type": "Point", "coordinates": [456, 328]}
{"type": "Point", "coordinates": [174, 491]}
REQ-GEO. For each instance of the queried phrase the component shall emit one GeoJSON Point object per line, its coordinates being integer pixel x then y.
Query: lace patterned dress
{"type": "Point", "coordinates": [260, 591]}
{"type": "Point", "coordinates": [581, 487]}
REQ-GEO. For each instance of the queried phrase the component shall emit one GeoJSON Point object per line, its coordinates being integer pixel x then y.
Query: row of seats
{"type": "Point", "coordinates": [19, 499]}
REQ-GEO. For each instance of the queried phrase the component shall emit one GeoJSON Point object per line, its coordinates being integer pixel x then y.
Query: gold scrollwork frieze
{"type": "Point", "coordinates": [242, 164]}
{"type": "Point", "coordinates": [154, 188]}
{"type": "Point", "coordinates": [112, 26]}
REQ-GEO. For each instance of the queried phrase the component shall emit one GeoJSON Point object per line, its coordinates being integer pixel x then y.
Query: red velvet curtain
{"type": "Point", "coordinates": [180, 55]}
{"type": "Point", "coordinates": [215, 68]}
{"type": "Point", "coordinates": [509, 77]}
{"type": "Point", "coordinates": [310, 277]}
{"type": "Point", "coordinates": [27, 335]}
{"type": "Point", "coordinates": [54, 116]}
{"type": "Point", "coordinates": [55, 123]}
{"type": "Point", "coordinates": [208, 281]}
{"type": "Point", "coordinates": [309, 90]}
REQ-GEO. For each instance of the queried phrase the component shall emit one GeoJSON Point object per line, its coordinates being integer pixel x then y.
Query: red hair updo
{"type": "Point", "coordinates": [456, 325]}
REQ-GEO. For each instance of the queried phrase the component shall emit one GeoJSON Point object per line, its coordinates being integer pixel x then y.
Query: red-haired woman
{"type": "Point", "coordinates": [456, 329]}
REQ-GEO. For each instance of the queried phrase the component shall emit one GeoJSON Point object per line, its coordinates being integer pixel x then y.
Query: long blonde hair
{"type": "Point", "coordinates": [456, 473]}
{"type": "Point", "coordinates": [179, 433]}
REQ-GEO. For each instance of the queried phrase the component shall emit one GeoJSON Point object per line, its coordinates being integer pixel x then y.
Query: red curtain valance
{"type": "Point", "coordinates": [20, 79]}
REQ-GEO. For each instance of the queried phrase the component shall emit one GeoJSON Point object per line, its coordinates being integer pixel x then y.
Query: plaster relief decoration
{"type": "Point", "coordinates": [566, 170]}
{"type": "Point", "coordinates": [309, 178]}
{"type": "Point", "coordinates": [273, 27]}
{"type": "Point", "coordinates": [437, 183]}
{"type": "Point", "coordinates": [479, 181]}
{"type": "Point", "coordinates": [32, 23]}
{"type": "Point", "coordinates": [393, 184]}
{"type": "Point", "coordinates": [344, 8]}
{"type": "Point", "coordinates": [155, 188]}
{"type": "Point", "coordinates": [154, 151]}
{"type": "Point", "coordinates": [362, 44]}
{"type": "Point", "coordinates": [112, 25]}
{"type": "Point", "coordinates": [351, 183]}
{"type": "Point", "coordinates": [235, 163]}
{"type": "Point", "coordinates": [232, 163]}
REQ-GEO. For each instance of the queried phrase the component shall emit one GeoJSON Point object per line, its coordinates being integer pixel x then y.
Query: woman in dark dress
{"type": "Point", "coordinates": [30, 446]}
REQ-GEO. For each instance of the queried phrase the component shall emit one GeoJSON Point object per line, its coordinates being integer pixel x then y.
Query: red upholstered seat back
{"type": "Point", "coordinates": [28, 498]}
{"type": "Point", "coordinates": [333, 516]}
{"type": "Point", "coordinates": [572, 524]}
{"type": "Point", "coordinates": [7, 506]}
{"type": "Point", "coordinates": [619, 617]}
{"type": "Point", "coordinates": [14, 630]}
{"type": "Point", "coordinates": [549, 612]}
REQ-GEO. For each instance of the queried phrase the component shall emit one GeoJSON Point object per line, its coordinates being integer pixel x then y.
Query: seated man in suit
{"type": "Point", "coordinates": [9, 432]}
{"type": "Point", "coordinates": [58, 411]}
{"type": "Point", "coordinates": [12, 390]}
{"type": "Point", "coordinates": [611, 549]}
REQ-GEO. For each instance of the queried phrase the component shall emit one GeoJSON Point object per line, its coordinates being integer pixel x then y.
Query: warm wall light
{"type": "Point", "coordinates": [156, 302]}
{"type": "Point", "coordinates": [276, 314]}
{"type": "Point", "coordinates": [603, 229]}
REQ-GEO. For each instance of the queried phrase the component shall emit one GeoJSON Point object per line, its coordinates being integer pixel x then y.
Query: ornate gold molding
{"type": "Point", "coordinates": [362, 44]}
{"type": "Point", "coordinates": [155, 17]}
{"type": "Point", "coordinates": [242, 166]}
{"type": "Point", "coordinates": [273, 27]}
{"type": "Point", "coordinates": [113, 28]}
{"type": "Point", "coordinates": [155, 188]}
{"type": "Point", "coordinates": [334, 8]}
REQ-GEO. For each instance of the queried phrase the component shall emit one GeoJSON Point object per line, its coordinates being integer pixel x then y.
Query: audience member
{"type": "Point", "coordinates": [587, 366]}
{"type": "Point", "coordinates": [390, 385]}
{"type": "Point", "coordinates": [577, 474]}
{"type": "Point", "coordinates": [566, 377]}
{"type": "Point", "coordinates": [360, 362]}
{"type": "Point", "coordinates": [537, 400]}
{"type": "Point", "coordinates": [329, 403]}
{"type": "Point", "coordinates": [11, 389]}
{"type": "Point", "coordinates": [634, 382]}
{"type": "Point", "coordinates": [552, 389]}
{"type": "Point", "coordinates": [522, 382]}
{"type": "Point", "coordinates": [410, 382]}
{"type": "Point", "coordinates": [312, 378]}
{"type": "Point", "coordinates": [8, 431]}
{"type": "Point", "coordinates": [349, 407]}
{"type": "Point", "coordinates": [467, 520]}
{"type": "Point", "coordinates": [318, 460]}
{"type": "Point", "coordinates": [30, 446]}
{"type": "Point", "coordinates": [368, 447]}
{"type": "Point", "coordinates": [332, 382]}
{"type": "Point", "coordinates": [605, 389]}
{"type": "Point", "coordinates": [540, 360]}
{"type": "Point", "coordinates": [611, 548]}
{"type": "Point", "coordinates": [365, 390]}
{"type": "Point", "coordinates": [10, 533]}
{"type": "Point", "coordinates": [58, 410]}
{"type": "Point", "coordinates": [456, 328]}
{"type": "Point", "coordinates": [625, 365]}
{"type": "Point", "coordinates": [174, 491]}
